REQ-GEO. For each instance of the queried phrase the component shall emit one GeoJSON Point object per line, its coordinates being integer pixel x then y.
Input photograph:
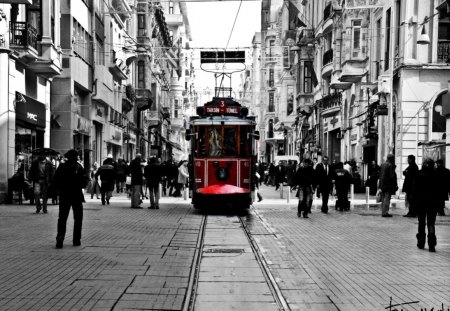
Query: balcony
{"type": "Point", "coordinates": [22, 36]}
{"type": "Point", "coordinates": [327, 63]}
{"type": "Point", "coordinates": [330, 104]}
{"type": "Point", "coordinates": [143, 99]}
{"type": "Point", "coordinates": [353, 71]}
{"type": "Point", "coordinates": [118, 67]}
{"type": "Point", "coordinates": [443, 52]}
{"type": "Point", "coordinates": [174, 19]}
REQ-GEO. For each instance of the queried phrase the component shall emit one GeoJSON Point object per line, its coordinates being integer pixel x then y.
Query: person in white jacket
{"type": "Point", "coordinates": [183, 176]}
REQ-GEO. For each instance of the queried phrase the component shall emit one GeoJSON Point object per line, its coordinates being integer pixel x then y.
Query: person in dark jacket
{"type": "Point", "coordinates": [425, 197]}
{"type": "Point", "coordinates": [153, 173]}
{"type": "Point", "coordinates": [272, 173]}
{"type": "Point", "coordinates": [290, 173]}
{"type": "Point", "coordinates": [121, 175]}
{"type": "Point", "coordinates": [372, 180]}
{"type": "Point", "coordinates": [136, 181]}
{"type": "Point", "coordinates": [41, 174]}
{"type": "Point", "coordinates": [107, 176]}
{"type": "Point", "coordinates": [387, 184]}
{"type": "Point", "coordinates": [280, 174]}
{"type": "Point", "coordinates": [70, 181]}
{"type": "Point", "coordinates": [305, 179]}
{"type": "Point", "coordinates": [410, 174]}
{"type": "Point", "coordinates": [325, 176]}
{"type": "Point", "coordinates": [443, 176]}
{"type": "Point", "coordinates": [343, 180]}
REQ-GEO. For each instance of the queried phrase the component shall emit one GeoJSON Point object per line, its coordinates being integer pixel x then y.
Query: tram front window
{"type": "Point", "coordinates": [229, 142]}
{"type": "Point", "coordinates": [214, 142]}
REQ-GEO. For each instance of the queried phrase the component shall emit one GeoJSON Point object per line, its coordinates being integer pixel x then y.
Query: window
{"type": "Point", "coordinates": [141, 25]}
{"type": "Point", "coordinates": [100, 53]}
{"type": "Point", "coordinates": [141, 74]}
{"type": "Point", "coordinates": [171, 7]}
{"type": "Point", "coordinates": [271, 77]}
{"type": "Point", "coordinates": [52, 20]}
{"type": "Point", "coordinates": [271, 102]}
{"type": "Point", "coordinates": [356, 36]}
{"type": "Point", "coordinates": [271, 46]}
{"type": "Point", "coordinates": [177, 106]}
{"type": "Point", "coordinates": [388, 40]}
{"type": "Point", "coordinates": [307, 78]}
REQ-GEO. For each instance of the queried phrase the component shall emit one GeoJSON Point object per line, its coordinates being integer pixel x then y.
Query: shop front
{"type": "Point", "coordinates": [81, 138]}
{"type": "Point", "coordinates": [30, 129]}
{"type": "Point", "coordinates": [114, 141]}
{"type": "Point", "coordinates": [332, 136]}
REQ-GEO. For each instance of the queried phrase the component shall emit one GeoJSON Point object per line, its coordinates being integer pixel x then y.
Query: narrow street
{"type": "Point", "coordinates": [153, 259]}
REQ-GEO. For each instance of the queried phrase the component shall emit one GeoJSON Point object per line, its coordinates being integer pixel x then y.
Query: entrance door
{"type": "Point", "coordinates": [334, 144]}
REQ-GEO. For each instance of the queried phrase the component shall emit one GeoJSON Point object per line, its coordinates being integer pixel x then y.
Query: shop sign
{"type": "Point", "coordinates": [117, 136]}
{"type": "Point", "coordinates": [82, 125]}
{"type": "Point", "coordinates": [132, 139]}
{"type": "Point", "coordinates": [30, 110]}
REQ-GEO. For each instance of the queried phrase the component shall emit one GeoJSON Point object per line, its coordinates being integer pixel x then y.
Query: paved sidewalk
{"type": "Point", "coordinates": [353, 260]}
{"type": "Point", "coordinates": [128, 258]}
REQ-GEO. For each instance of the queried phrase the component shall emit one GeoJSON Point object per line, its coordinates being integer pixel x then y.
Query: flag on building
{"type": "Point", "coordinates": [294, 21]}
{"type": "Point", "coordinates": [173, 55]}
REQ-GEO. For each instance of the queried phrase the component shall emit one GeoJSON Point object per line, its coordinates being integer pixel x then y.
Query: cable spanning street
{"type": "Point", "coordinates": [145, 259]}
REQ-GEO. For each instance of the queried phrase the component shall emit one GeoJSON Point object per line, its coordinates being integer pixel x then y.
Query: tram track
{"type": "Point", "coordinates": [189, 304]}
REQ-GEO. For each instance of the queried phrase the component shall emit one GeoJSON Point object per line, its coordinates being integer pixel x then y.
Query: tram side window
{"type": "Point", "coordinates": [201, 146]}
{"type": "Point", "coordinates": [244, 142]}
{"type": "Point", "coordinates": [229, 141]}
{"type": "Point", "coordinates": [214, 141]}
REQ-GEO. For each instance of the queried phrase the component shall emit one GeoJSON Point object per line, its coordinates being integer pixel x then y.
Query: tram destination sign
{"type": "Point", "coordinates": [221, 107]}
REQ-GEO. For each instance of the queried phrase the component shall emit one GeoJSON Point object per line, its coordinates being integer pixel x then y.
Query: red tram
{"type": "Point", "coordinates": [222, 154]}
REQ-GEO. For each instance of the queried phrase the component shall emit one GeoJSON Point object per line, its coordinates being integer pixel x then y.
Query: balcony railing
{"type": "Point", "coordinates": [23, 35]}
{"type": "Point", "coordinates": [327, 57]}
{"type": "Point", "coordinates": [330, 101]}
{"type": "Point", "coordinates": [443, 52]}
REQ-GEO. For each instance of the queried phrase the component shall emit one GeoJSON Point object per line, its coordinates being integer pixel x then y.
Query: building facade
{"type": "Point", "coordinates": [30, 57]}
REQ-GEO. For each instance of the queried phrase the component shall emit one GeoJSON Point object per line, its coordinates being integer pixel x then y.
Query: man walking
{"type": "Point", "coordinates": [343, 179]}
{"type": "Point", "coordinates": [325, 182]}
{"type": "Point", "coordinates": [306, 181]}
{"type": "Point", "coordinates": [41, 173]}
{"type": "Point", "coordinates": [443, 177]}
{"type": "Point", "coordinates": [153, 175]}
{"type": "Point", "coordinates": [136, 181]}
{"type": "Point", "coordinates": [410, 174]}
{"type": "Point", "coordinates": [387, 184]}
{"type": "Point", "coordinates": [107, 175]}
{"type": "Point", "coordinates": [69, 180]}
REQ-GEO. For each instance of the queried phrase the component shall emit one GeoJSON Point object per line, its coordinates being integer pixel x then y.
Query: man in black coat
{"type": "Point", "coordinates": [410, 174]}
{"type": "Point", "coordinates": [107, 175]}
{"type": "Point", "coordinates": [135, 170]}
{"type": "Point", "coordinates": [305, 179]}
{"type": "Point", "coordinates": [343, 180]}
{"type": "Point", "coordinates": [387, 184]}
{"type": "Point", "coordinates": [280, 174]}
{"type": "Point", "coordinates": [70, 181]}
{"type": "Point", "coordinates": [443, 176]}
{"type": "Point", "coordinates": [325, 176]}
{"type": "Point", "coordinates": [425, 198]}
{"type": "Point", "coordinates": [153, 173]}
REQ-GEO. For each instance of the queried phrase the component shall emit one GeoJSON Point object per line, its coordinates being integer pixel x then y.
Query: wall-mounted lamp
{"type": "Point", "coordinates": [424, 39]}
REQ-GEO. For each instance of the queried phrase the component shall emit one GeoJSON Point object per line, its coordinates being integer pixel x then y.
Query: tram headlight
{"type": "Point", "coordinates": [222, 173]}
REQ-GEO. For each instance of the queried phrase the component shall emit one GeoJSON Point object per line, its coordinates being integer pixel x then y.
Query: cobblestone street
{"type": "Point", "coordinates": [142, 259]}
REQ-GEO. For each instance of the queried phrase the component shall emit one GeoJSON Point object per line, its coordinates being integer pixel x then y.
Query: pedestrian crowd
{"type": "Point", "coordinates": [426, 189]}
